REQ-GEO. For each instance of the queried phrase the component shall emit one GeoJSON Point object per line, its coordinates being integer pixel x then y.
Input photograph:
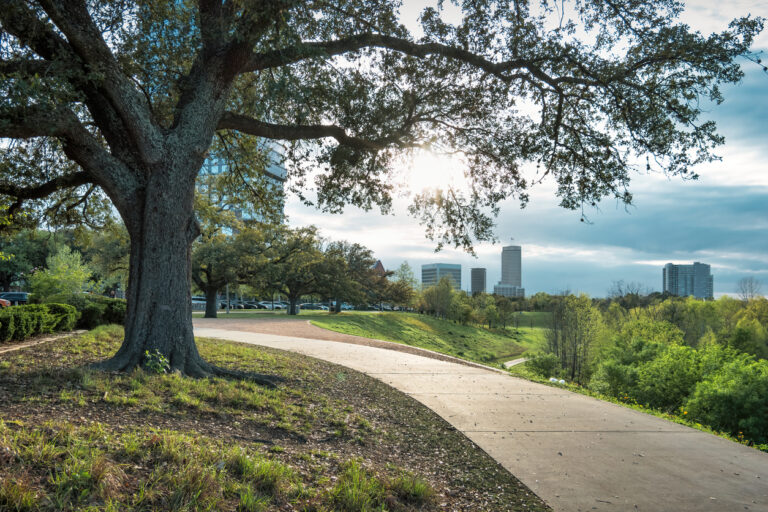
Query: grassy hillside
{"type": "Point", "coordinates": [327, 438]}
{"type": "Point", "coordinates": [468, 342]}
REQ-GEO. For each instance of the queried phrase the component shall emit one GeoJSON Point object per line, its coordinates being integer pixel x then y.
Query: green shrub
{"type": "Point", "coordinates": [7, 326]}
{"type": "Point", "coordinates": [92, 315]}
{"type": "Point", "coordinates": [734, 399]}
{"type": "Point", "coordinates": [20, 322]}
{"type": "Point", "coordinates": [544, 365]}
{"type": "Point", "coordinates": [665, 382]}
{"type": "Point", "coordinates": [155, 362]}
{"type": "Point", "coordinates": [614, 379]}
{"type": "Point", "coordinates": [66, 316]}
{"type": "Point", "coordinates": [93, 310]}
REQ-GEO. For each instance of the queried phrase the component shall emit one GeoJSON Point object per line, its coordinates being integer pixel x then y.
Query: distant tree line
{"type": "Point", "coordinates": [295, 263]}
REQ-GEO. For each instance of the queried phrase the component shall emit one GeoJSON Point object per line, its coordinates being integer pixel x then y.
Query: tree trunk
{"type": "Point", "coordinates": [337, 306]}
{"type": "Point", "coordinates": [211, 302]}
{"type": "Point", "coordinates": [293, 306]}
{"type": "Point", "coordinates": [159, 315]}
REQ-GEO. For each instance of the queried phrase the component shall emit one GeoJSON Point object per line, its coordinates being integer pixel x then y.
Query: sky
{"type": "Point", "coordinates": [720, 219]}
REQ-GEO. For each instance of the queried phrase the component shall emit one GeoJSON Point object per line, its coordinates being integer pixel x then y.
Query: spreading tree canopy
{"type": "Point", "coordinates": [121, 100]}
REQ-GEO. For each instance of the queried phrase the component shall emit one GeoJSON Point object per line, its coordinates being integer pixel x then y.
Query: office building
{"type": "Point", "coordinates": [687, 280]}
{"type": "Point", "coordinates": [270, 180]}
{"type": "Point", "coordinates": [511, 273]}
{"type": "Point", "coordinates": [477, 280]}
{"type": "Point", "coordinates": [433, 272]}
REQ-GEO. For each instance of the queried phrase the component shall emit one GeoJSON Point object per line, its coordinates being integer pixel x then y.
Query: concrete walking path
{"type": "Point", "coordinates": [575, 452]}
{"type": "Point", "coordinates": [515, 362]}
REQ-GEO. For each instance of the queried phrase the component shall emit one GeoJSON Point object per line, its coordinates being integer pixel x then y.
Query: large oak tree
{"type": "Point", "coordinates": [125, 98]}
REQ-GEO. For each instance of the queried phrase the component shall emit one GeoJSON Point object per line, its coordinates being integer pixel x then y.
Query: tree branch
{"type": "Point", "coordinates": [26, 67]}
{"type": "Point", "coordinates": [233, 121]}
{"type": "Point", "coordinates": [357, 42]}
{"type": "Point", "coordinates": [73, 19]}
{"type": "Point", "coordinates": [45, 189]}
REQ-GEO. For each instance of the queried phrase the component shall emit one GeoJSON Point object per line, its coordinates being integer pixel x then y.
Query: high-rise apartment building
{"type": "Point", "coordinates": [477, 280]}
{"type": "Point", "coordinates": [511, 273]}
{"type": "Point", "coordinates": [431, 274]}
{"type": "Point", "coordinates": [687, 280]}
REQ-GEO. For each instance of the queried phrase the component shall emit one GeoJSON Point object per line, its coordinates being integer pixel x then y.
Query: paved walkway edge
{"type": "Point", "coordinates": [39, 341]}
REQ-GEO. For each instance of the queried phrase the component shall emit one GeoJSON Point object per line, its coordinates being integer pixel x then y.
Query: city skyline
{"type": "Point", "coordinates": [720, 218]}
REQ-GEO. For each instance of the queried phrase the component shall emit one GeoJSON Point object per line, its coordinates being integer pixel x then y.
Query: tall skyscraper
{"type": "Point", "coordinates": [431, 274]}
{"type": "Point", "coordinates": [687, 280]}
{"type": "Point", "coordinates": [511, 273]}
{"type": "Point", "coordinates": [477, 280]}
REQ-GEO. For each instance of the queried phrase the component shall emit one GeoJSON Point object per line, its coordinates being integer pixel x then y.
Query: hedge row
{"type": "Point", "coordinates": [20, 322]}
{"type": "Point", "coordinates": [94, 310]}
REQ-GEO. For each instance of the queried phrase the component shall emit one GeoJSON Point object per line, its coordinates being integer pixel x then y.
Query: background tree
{"type": "Point", "coordinates": [24, 251]}
{"type": "Point", "coordinates": [437, 298]}
{"type": "Point", "coordinates": [64, 273]}
{"type": "Point", "coordinates": [749, 288]}
{"type": "Point", "coordinates": [106, 252]}
{"type": "Point", "coordinates": [404, 286]}
{"type": "Point", "coordinates": [122, 100]}
{"type": "Point", "coordinates": [348, 272]}
{"type": "Point", "coordinates": [291, 262]}
{"type": "Point", "coordinates": [576, 327]}
{"type": "Point", "coordinates": [215, 263]}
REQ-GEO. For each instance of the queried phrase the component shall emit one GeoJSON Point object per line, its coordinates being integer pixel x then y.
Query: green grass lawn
{"type": "Point", "coordinates": [465, 341]}
{"type": "Point", "coordinates": [327, 438]}
{"type": "Point", "coordinates": [477, 344]}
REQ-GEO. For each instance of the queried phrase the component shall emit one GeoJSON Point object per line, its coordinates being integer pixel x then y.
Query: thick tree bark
{"type": "Point", "coordinates": [159, 314]}
{"type": "Point", "coordinates": [211, 302]}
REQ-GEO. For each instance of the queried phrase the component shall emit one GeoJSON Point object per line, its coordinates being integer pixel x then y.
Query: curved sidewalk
{"type": "Point", "coordinates": [575, 452]}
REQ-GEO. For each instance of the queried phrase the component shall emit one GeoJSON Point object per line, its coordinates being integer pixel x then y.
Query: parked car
{"type": "Point", "coordinates": [253, 305]}
{"type": "Point", "coordinates": [4, 303]}
{"type": "Point", "coordinates": [15, 298]}
{"type": "Point", "coordinates": [313, 306]}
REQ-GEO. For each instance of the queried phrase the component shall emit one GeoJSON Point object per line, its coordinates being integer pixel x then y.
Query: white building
{"type": "Point", "coordinates": [511, 273]}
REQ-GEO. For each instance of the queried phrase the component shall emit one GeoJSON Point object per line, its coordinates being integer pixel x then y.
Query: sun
{"type": "Point", "coordinates": [429, 171]}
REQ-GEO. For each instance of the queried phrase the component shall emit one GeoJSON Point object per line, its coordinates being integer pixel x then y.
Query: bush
{"type": "Point", "coordinates": [65, 315]}
{"type": "Point", "coordinates": [734, 400]}
{"type": "Point", "coordinates": [20, 322]}
{"type": "Point", "coordinates": [665, 382]}
{"type": "Point", "coordinates": [544, 365]}
{"type": "Point", "coordinates": [94, 310]}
